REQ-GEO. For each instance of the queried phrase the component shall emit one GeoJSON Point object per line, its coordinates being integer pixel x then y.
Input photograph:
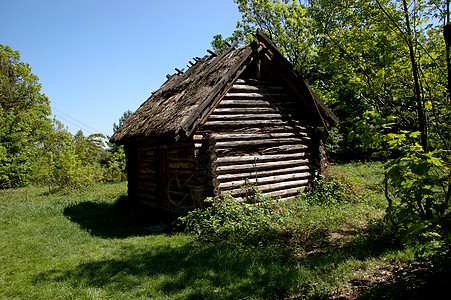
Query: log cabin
{"type": "Point", "coordinates": [233, 123]}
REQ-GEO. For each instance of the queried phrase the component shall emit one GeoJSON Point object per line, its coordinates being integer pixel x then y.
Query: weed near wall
{"type": "Point", "coordinates": [327, 205]}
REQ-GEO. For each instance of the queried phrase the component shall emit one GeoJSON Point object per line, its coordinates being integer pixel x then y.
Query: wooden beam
{"type": "Point", "coordinates": [260, 95]}
{"type": "Point", "coordinates": [261, 166]}
{"type": "Point", "coordinates": [249, 103]}
{"type": "Point", "coordinates": [270, 187]}
{"type": "Point", "coordinates": [254, 136]}
{"type": "Point", "coordinates": [250, 116]}
{"type": "Point", "coordinates": [259, 158]}
{"type": "Point", "coordinates": [263, 180]}
{"type": "Point", "coordinates": [244, 110]}
{"type": "Point", "coordinates": [212, 52]}
{"type": "Point", "coordinates": [260, 173]}
{"type": "Point", "coordinates": [284, 194]}
{"type": "Point", "coordinates": [258, 142]}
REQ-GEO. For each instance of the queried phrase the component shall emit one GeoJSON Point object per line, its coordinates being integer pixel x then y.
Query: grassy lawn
{"type": "Point", "coordinates": [75, 247]}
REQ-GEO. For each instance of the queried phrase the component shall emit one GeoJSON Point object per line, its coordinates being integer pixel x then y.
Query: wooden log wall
{"type": "Point", "coordinates": [163, 175]}
{"type": "Point", "coordinates": [262, 139]}
{"type": "Point", "coordinates": [142, 173]}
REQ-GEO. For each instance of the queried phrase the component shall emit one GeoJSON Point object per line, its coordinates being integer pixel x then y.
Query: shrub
{"type": "Point", "coordinates": [326, 190]}
{"type": "Point", "coordinates": [235, 222]}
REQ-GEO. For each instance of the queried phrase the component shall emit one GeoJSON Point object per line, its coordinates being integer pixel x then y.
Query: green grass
{"type": "Point", "coordinates": [74, 247]}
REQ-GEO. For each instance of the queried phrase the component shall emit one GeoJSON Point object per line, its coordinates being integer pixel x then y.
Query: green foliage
{"type": "Point", "coordinates": [417, 182]}
{"type": "Point", "coordinates": [327, 191]}
{"type": "Point", "coordinates": [116, 166]}
{"type": "Point", "coordinates": [419, 189]}
{"type": "Point", "coordinates": [288, 24]}
{"type": "Point", "coordinates": [235, 222]}
{"type": "Point", "coordinates": [267, 220]}
{"type": "Point", "coordinates": [116, 162]}
{"type": "Point", "coordinates": [122, 120]}
{"type": "Point", "coordinates": [24, 112]}
{"type": "Point", "coordinates": [68, 162]}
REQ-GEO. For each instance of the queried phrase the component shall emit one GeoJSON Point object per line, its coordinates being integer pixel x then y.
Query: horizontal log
{"type": "Point", "coordinates": [261, 173]}
{"type": "Point", "coordinates": [286, 104]}
{"type": "Point", "coordinates": [265, 123]}
{"type": "Point", "coordinates": [247, 103]}
{"type": "Point", "coordinates": [261, 166]}
{"type": "Point", "coordinates": [254, 95]}
{"type": "Point", "coordinates": [249, 87]}
{"type": "Point", "coordinates": [182, 165]}
{"type": "Point", "coordinates": [145, 161]}
{"type": "Point", "coordinates": [263, 180]}
{"type": "Point", "coordinates": [144, 156]}
{"type": "Point", "coordinates": [259, 142]}
{"type": "Point", "coordinates": [246, 150]}
{"type": "Point", "coordinates": [144, 170]}
{"type": "Point", "coordinates": [227, 160]}
{"type": "Point", "coordinates": [173, 171]}
{"type": "Point", "coordinates": [254, 82]}
{"type": "Point", "coordinates": [297, 184]}
{"type": "Point", "coordinates": [149, 160]}
{"type": "Point", "coordinates": [239, 117]}
{"type": "Point", "coordinates": [262, 135]}
{"type": "Point", "coordinates": [176, 159]}
{"type": "Point", "coordinates": [287, 194]}
{"type": "Point", "coordinates": [285, 148]}
{"type": "Point", "coordinates": [280, 128]}
{"type": "Point", "coordinates": [243, 123]}
{"type": "Point", "coordinates": [180, 153]}
{"type": "Point", "coordinates": [245, 110]}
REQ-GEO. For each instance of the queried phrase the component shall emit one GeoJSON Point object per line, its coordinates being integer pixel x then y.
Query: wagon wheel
{"type": "Point", "coordinates": [180, 193]}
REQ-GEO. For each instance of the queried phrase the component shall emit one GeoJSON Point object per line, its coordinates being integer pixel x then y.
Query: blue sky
{"type": "Point", "coordinates": [96, 58]}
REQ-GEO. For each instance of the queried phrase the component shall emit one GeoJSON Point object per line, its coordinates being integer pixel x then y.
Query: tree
{"type": "Point", "coordinates": [122, 120]}
{"type": "Point", "coordinates": [116, 163]}
{"type": "Point", "coordinates": [24, 115]}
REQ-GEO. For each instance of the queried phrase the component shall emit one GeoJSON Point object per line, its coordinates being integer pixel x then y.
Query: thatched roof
{"type": "Point", "coordinates": [185, 99]}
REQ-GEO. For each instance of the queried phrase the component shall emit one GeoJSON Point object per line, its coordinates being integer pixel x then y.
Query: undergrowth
{"type": "Point", "coordinates": [329, 205]}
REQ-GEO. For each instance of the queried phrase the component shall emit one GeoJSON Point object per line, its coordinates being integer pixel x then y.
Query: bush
{"type": "Point", "coordinates": [236, 222]}
{"type": "Point", "coordinates": [326, 190]}
{"type": "Point", "coordinates": [266, 220]}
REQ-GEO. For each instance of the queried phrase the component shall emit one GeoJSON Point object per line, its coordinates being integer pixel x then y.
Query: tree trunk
{"type": "Point", "coordinates": [420, 109]}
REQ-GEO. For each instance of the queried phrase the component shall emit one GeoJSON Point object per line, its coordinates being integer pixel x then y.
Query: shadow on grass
{"type": "Point", "coordinates": [215, 270]}
{"type": "Point", "coordinates": [427, 279]}
{"type": "Point", "coordinates": [115, 220]}
{"type": "Point", "coordinates": [218, 270]}
{"type": "Point", "coordinates": [186, 272]}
